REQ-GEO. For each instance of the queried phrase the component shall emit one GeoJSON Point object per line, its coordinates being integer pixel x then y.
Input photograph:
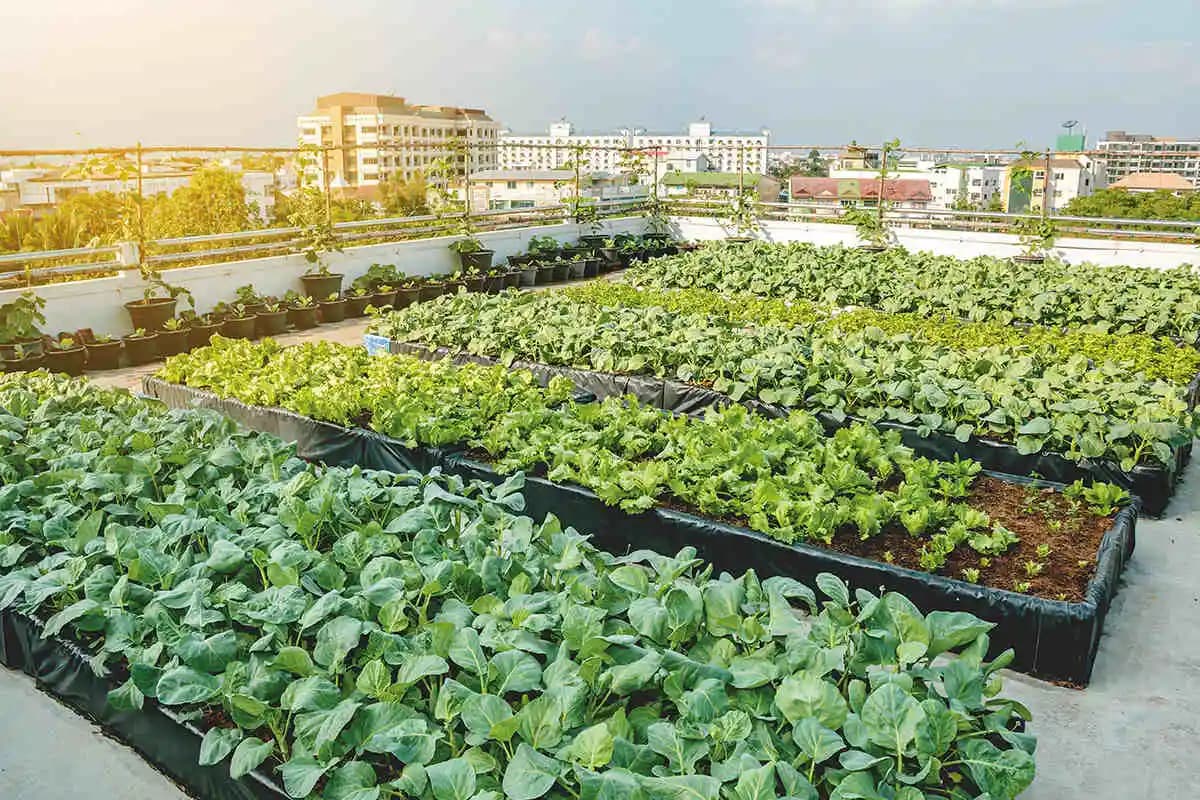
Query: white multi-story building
{"type": "Point", "coordinates": [725, 152]}
{"type": "Point", "coordinates": [1071, 175]}
{"type": "Point", "coordinates": [974, 182]}
{"type": "Point", "coordinates": [504, 189]}
{"type": "Point", "coordinates": [1129, 153]}
{"type": "Point", "coordinates": [375, 136]}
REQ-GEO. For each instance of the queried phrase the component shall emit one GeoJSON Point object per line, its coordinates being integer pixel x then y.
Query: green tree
{"type": "Point", "coordinates": [405, 198]}
{"type": "Point", "coordinates": [1121, 203]}
{"type": "Point", "coordinates": [213, 201]}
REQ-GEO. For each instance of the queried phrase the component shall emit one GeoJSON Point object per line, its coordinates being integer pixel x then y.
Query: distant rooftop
{"type": "Point", "coordinates": [363, 103]}
{"type": "Point", "coordinates": [1154, 181]}
{"type": "Point", "coordinates": [711, 180]}
{"type": "Point", "coordinates": [859, 189]}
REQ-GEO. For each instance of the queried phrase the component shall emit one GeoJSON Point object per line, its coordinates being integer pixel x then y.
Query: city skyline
{"type": "Point", "coordinates": [962, 73]}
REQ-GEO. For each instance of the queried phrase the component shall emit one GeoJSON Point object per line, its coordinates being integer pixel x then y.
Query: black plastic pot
{"type": "Point", "coordinates": [199, 335]}
{"type": "Point", "coordinates": [610, 258]}
{"type": "Point", "coordinates": [545, 274]}
{"type": "Point", "coordinates": [474, 283]}
{"type": "Point", "coordinates": [141, 349]}
{"type": "Point", "coordinates": [520, 259]}
{"type": "Point", "coordinates": [452, 287]}
{"type": "Point", "coordinates": [26, 364]}
{"type": "Point", "coordinates": [172, 343]}
{"type": "Point", "coordinates": [152, 314]}
{"type": "Point", "coordinates": [332, 310]}
{"type": "Point", "coordinates": [480, 259]}
{"type": "Point", "coordinates": [561, 270]}
{"type": "Point", "coordinates": [103, 355]}
{"type": "Point", "coordinates": [512, 279]}
{"type": "Point", "coordinates": [356, 305]}
{"type": "Point", "coordinates": [575, 250]}
{"type": "Point", "coordinates": [593, 241]}
{"type": "Point", "coordinates": [591, 267]}
{"type": "Point", "coordinates": [871, 248]}
{"type": "Point", "coordinates": [272, 323]}
{"type": "Point", "coordinates": [239, 328]}
{"type": "Point", "coordinates": [407, 296]}
{"type": "Point", "coordinates": [663, 238]}
{"type": "Point", "coordinates": [431, 291]}
{"type": "Point", "coordinates": [321, 285]}
{"type": "Point", "coordinates": [529, 275]}
{"type": "Point", "coordinates": [29, 347]}
{"type": "Point", "coordinates": [575, 268]}
{"type": "Point", "coordinates": [383, 299]}
{"type": "Point", "coordinates": [255, 308]}
{"type": "Point", "coordinates": [739, 239]}
{"type": "Point", "coordinates": [493, 284]}
{"type": "Point", "coordinates": [69, 361]}
{"type": "Point", "coordinates": [303, 318]}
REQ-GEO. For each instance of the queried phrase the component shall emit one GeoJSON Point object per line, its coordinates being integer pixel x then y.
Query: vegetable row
{"type": "Point", "coordinates": [784, 477]}
{"type": "Point", "coordinates": [1037, 398]}
{"type": "Point", "coordinates": [1054, 293]}
{"type": "Point", "coordinates": [370, 635]}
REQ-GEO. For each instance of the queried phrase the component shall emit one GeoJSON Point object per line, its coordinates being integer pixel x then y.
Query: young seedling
{"type": "Point", "coordinates": [1021, 587]}
{"type": "Point", "coordinates": [971, 575]}
{"type": "Point", "coordinates": [1043, 551]}
{"type": "Point", "coordinates": [1033, 568]}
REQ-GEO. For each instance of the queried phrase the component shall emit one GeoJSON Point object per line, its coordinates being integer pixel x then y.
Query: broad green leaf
{"type": "Point", "coordinates": [248, 755]}
{"type": "Point", "coordinates": [891, 716]}
{"type": "Point", "coordinates": [592, 747]}
{"type": "Point", "coordinates": [451, 780]}
{"type": "Point", "coordinates": [182, 685]}
{"type": "Point", "coordinates": [530, 774]}
{"type": "Point", "coordinates": [815, 741]}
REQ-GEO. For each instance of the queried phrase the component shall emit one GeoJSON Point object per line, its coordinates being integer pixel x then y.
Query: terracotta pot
{"type": "Point", "coordinates": [239, 327]}
{"type": "Point", "coordinates": [172, 343]}
{"type": "Point", "coordinates": [152, 314]}
{"type": "Point", "coordinates": [303, 318]}
{"type": "Point", "coordinates": [332, 310]}
{"type": "Point", "coordinates": [321, 285]}
{"type": "Point", "coordinates": [103, 355]}
{"type": "Point", "coordinates": [141, 349]}
{"type": "Point", "coordinates": [69, 361]}
{"type": "Point", "coordinates": [199, 335]}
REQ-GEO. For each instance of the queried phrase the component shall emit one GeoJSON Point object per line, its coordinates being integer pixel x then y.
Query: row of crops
{"type": "Point", "coordinates": [857, 489]}
{"type": "Point", "coordinates": [1083, 394]}
{"type": "Point", "coordinates": [358, 635]}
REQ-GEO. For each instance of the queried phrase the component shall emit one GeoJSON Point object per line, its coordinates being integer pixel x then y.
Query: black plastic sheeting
{"type": "Point", "coordinates": [1054, 640]}
{"type": "Point", "coordinates": [60, 667]}
{"type": "Point", "coordinates": [1154, 485]}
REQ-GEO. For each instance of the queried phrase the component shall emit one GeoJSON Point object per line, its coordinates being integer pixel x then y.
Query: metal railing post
{"type": "Point", "coordinates": [141, 216]}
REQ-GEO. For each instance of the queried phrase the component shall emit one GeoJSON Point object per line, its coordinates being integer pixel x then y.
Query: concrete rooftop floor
{"type": "Point", "coordinates": [1132, 733]}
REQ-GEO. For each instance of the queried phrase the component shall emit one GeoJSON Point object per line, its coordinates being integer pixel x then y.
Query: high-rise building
{"type": "Point", "coordinates": [1131, 153]}
{"type": "Point", "coordinates": [723, 151]}
{"type": "Point", "coordinates": [378, 136]}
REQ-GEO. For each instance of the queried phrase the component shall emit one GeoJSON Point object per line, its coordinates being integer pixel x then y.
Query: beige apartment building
{"type": "Point", "coordinates": [380, 135]}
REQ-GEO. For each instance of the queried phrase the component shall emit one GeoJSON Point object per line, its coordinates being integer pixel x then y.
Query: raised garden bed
{"type": "Point", "coordinates": [1054, 639]}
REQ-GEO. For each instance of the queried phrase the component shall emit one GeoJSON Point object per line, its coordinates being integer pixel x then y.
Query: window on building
{"type": "Point", "coordinates": [371, 129]}
{"type": "Point", "coordinates": [1058, 176]}
{"type": "Point", "coordinates": [511, 184]}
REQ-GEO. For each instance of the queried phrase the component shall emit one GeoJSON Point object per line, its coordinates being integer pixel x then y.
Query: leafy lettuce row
{"type": "Point", "coordinates": [784, 477]}
{"type": "Point", "coordinates": [369, 635]}
{"type": "Point", "coordinates": [1032, 398]}
{"type": "Point", "coordinates": [1054, 293]}
{"type": "Point", "coordinates": [1157, 358]}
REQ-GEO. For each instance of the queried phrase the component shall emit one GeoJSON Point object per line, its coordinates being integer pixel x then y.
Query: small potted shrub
{"type": "Point", "coordinates": [520, 259]}
{"type": "Point", "coordinates": [66, 354]}
{"type": "Point", "coordinates": [543, 248]}
{"type": "Point", "coordinates": [302, 311]}
{"type": "Point", "coordinates": [21, 361]}
{"type": "Point", "coordinates": [609, 255]}
{"type": "Point", "coordinates": [872, 232]}
{"type": "Point", "coordinates": [545, 273]}
{"type": "Point", "coordinates": [332, 308]}
{"type": "Point", "coordinates": [202, 329]}
{"type": "Point", "coordinates": [472, 278]}
{"type": "Point", "coordinates": [19, 322]}
{"type": "Point", "coordinates": [320, 282]}
{"type": "Point", "coordinates": [471, 253]}
{"type": "Point", "coordinates": [250, 299]}
{"type": "Point", "coordinates": [174, 338]}
{"type": "Point", "coordinates": [569, 253]}
{"type": "Point", "coordinates": [357, 300]}
{"type": "Point", "coordinates": [103, 352]}
{"type": "Point", "coordinates": [158, 303]}
{"type": "Point", "coordinates": [273, 319]}
{"type": "Point", "coordinates": [141, 347]}
{"type": "Point", "coordinates": [239, 323]}
{"type": "Point", "coordinates": [384, 296]}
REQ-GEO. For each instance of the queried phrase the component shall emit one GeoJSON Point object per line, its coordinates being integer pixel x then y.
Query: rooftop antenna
{"type": "Point", "coordinates": [1070, 125]}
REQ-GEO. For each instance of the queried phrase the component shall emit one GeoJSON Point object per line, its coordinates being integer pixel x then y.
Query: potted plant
{"type": "Point", "coordinates": [332, 308]}
{"type": "Point", "coordinates": [494, 282]}
{"type": "Point", "coordinates": [384, 296]}
{"type": "Point", "coordinates": [742, 215]}
{"type": "Point", "coordinates": [103, 352]}
{"type": "Point", "coordinates": [202, 329]}
{"type": "Point", "coordinates": [512, 278]}
{"type": "Point", "coordinates": [357, 300]}
{"type": "Point", "coordinates": [591, 266]}
{"type": "Point", "coordinates": [562, 269]}
{"type": "Point", "coordinates": [520, 259]}
{"type": "Point", "coordinates": [320, 282]}
{"type": "Point", "coordinates": [1037, 236]}
{"type": "Point", "coordinates": [575, 266]}
{"type": "Point", "coordinates": [471, 253]}
{"type": "Point", "coordinates": [657, 227]}
{"type": "Point", "coordinates": [609, 255]}
{"type": "Point", "coordinates": [19, 322]}
{"type": "Point", "coordinates": [542, 248]}
{"type": "Point", "coordinates": [239, 323]}
{"type": "Point", "coordinates": [872, 232]}
{"type": "Point", "coordinates": [141, 347]}
{"type": "Point", "coordinates": [66, 354]}
{"type": "Point", "coordinates": [273, 319]}
{"type": "Point", "coordinates": [409, 292]}
{"type": "Point", "coordinates": [250, 299]}
{"type": "Point", "coordinates": [431, 288]}
{"type": "Point", "coordinates": [529, 273]}
{"type": "Point", "coordinates": [302, 311]}
{"type": "Point", "coordinates": [158, 303]}
{"type": "Point", "coordinates": [22, 361]}
{"type": "Point", "coordinates": [174, 338]}
{"type": "Point", "coordinates": [472, 278]}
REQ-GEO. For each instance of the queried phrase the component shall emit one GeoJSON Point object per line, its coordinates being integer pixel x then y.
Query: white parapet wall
{"type": "Point", "coordinates": [961, 244]}
{"type": "Point", "coordinates": [98, 303]}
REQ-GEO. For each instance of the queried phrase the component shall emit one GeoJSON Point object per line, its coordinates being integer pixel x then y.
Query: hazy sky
{"type": "Point", "coordinates": [933, 72]}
